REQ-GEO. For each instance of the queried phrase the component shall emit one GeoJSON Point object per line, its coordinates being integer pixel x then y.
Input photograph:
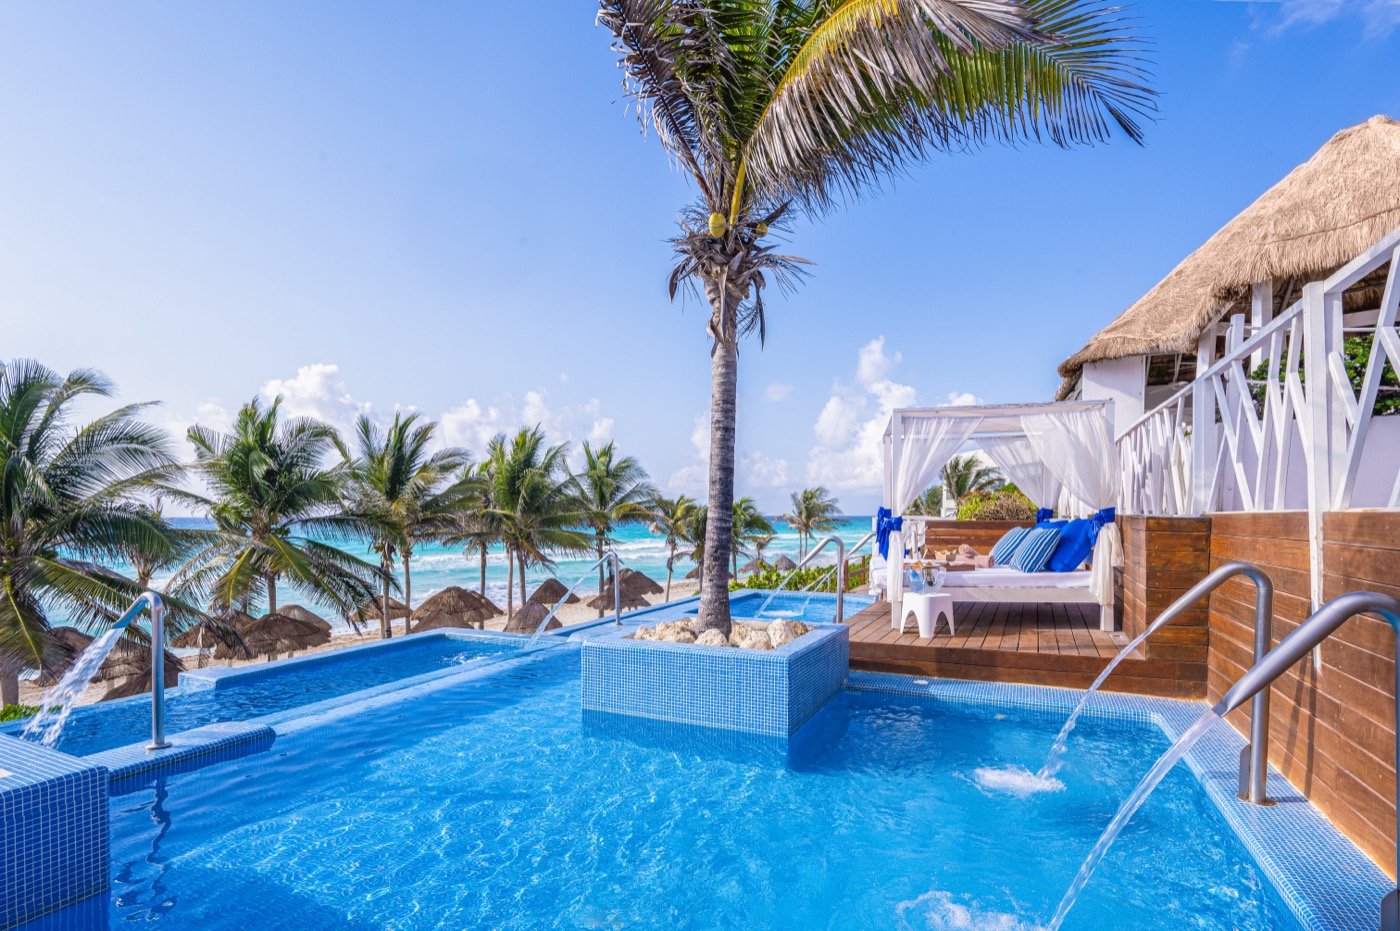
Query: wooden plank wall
{"type": "Point", "coordinates": [1332, 731]}
{"type": "Point", "coordinates": [1162, 558]}
{"type": "Point", "coordinates": [981, 535]}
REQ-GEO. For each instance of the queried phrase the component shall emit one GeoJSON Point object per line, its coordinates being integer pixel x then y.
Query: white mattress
{"type": "Point", "coordinates": [1006, 577]}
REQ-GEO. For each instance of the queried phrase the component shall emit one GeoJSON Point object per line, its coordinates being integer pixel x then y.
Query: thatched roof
{"type": "Point", "coordinates": [205, 635]}
{"type": "Point", "coordinates": [631, 598]}
{"type": "Point", "coordinates": [307, 615]}
{"type": "Point", "coordinates": [549, 593]}
{"type": "Point", "coordinates": [136, 685]}
{"type": "Point", "coordinates": [1320, 216]}
{"type": "Point", "coordinates": [693, 573]}
{"type": "Point", "coordinates": [640, 582]}
{"type": "Point", "coordinates": [453, 607]}
{"type": "Point", "coordinates": [372, 610]}
{"type": "Point", "coordinates": [70, 643]}
{"type": "Point", "coordinates": [784, 564]}
{"type": "Point", "coordinates": [752, 566]}
{"type": "Point", "coordinates": [129, 658]}
{"type": "Point", "coordinates": [527, 619]}
{"type": "Point", "coordinates": [274, 633]}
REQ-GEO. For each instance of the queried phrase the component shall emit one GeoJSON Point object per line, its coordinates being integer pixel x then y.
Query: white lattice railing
{"type": "Point", "coordinates": [1295, 438]}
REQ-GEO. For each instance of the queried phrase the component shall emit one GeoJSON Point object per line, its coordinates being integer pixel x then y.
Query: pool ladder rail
{"type": "Point", "coordinates": [610, 555]}
{"type": "Point", "coordinates": [157, 608]}
{"type": "Point", "coordinates": [839, 569]}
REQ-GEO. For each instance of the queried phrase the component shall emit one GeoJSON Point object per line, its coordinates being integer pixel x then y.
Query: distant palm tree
{"type": "Point", "coordinates": [768, 104]}
{"type": "Point", "coordinates": [761, 543]}
{"type": "Point", "coordinates": [403, 493]}
{"type": "Point", "coordinates": [694, 533]}
{"type": "Point", "coordinates": [670, 519]}
{"type": "Point", "coordinates": [964, 475]}
{"type": "Point", "coordinates": [814, 511]}
{"type": "Point", "coordinates": [272, 483]}
{"type": "Point", "coordinates": [749, 524]}
{"type": "Point", "coordinates": [928, 504]}
{"type": "Point", "coordinates": [475, 526]}
{"type": "Point", "coordinates": [533, 501]}
{"type": "Point", "coordinates": [613, 490]}
{"type": "Point", "coordinates": [69, 497]}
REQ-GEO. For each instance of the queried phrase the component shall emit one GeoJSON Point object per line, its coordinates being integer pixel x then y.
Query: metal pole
{"type": "Point", "coordinates": [617, 588]}
{"type": "Point", "coordinates": [840, 582]}
{"type": "Point", "coordinates": [158, 741]}
{"type": "Point", "coordinates": [1259, 712]}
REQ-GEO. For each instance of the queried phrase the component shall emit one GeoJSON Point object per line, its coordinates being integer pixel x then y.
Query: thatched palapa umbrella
{"type": "Point", "coordinates": [784, 564]}
{"type": "Point", "coordinates": [693, 574]}
{"type": "Point", "coordinates": [453, 607]}
{"type": "Point", "coordinates": [221, 628]}
{"type": "Point", "coordinates": [71, 643]}
{"type": "Point", "coordinates": [310, 617]}
{"type": "Point", "coordinates": [527, 619]}
{"type": "Point", "coordinates": [373, 610]}
{"type": "Point", "coordinates": [752, 566]}
{"type": "Point", "coordinates": [550, 591]}
{"type": "Point", "coordinates": [272, 634]}
{"type": "Point", "coordinates": [640, 582]}
{"type": "Point", "coordinates": [630, 599]}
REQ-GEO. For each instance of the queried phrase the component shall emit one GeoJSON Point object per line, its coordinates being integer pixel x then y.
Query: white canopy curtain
{"type": "Point", "coordinates": [1015, 456]}
{"type": "Point", "coordinates": [1076, 446]}
{"type": "Point", "coordinates": [920, 449]}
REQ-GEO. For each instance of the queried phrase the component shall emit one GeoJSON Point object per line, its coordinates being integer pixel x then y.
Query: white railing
{"type": "Point", "coordinates": [1232, 442]}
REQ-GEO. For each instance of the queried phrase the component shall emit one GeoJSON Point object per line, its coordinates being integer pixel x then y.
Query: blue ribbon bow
{"type": "Point", "coordinates": [1044, 514]}
{"type": "Point", "coordinates": [1106, 516]}
{"type": "Point", "coordinates": [885, 524]}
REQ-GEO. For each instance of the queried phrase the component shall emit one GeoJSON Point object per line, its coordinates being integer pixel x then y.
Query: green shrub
{"type": "Point", "coordinates": [772, 578]}
{"type": "Point", "coordinates": [1003, 504]}
{"type": "Point", "coordinates": [15, 712]}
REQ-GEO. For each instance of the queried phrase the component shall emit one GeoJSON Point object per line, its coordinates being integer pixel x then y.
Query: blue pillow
{"type": "Point", "coordinates": [1006, 546]}
{"type": "Point", "coordinates": [1076, 543]}
{"type": "Point", "coordinates": [1034, 551]}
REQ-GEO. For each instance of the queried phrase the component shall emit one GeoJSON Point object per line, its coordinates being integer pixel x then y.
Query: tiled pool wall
{"type": "Point", "coordinates": [771, 692]}
{"type": "Point", "coordinates": [1324, 879]}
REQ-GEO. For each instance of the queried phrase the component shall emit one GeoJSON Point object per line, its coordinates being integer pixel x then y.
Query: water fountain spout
{"type": "Point", "coordinates": [57, 702]}
{"type": "Point", "coordinates": [1323, 622]}
{"type": "Point", "coordinates": [1254, 761]}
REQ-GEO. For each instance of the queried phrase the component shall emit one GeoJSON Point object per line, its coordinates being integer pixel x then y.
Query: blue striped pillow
{"type": "Point", "coordinates": [1006, 546]}
{"type": "Point", "coordinates": [1034, 552]}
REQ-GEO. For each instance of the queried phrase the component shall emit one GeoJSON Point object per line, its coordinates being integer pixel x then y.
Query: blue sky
{"type": "Point", "coordinates": [449, 207]}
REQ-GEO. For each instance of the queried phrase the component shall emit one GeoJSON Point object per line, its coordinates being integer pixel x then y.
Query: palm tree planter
{"type": "Point", "coordinates": [771, 693]}
{"type": "Point", "coordinates": [772, 107]}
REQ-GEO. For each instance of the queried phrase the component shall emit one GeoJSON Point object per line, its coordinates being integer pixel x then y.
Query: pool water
{"type": "Point", "coordinates": [92, 728]}
{"type": "Point", "coordinates": [814, 608]}
{"type": "Point", "coordinates": [489, 804]}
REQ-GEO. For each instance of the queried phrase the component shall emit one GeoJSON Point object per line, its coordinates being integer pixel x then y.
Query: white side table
{"type": "Point", "coordinates": [927, 610]}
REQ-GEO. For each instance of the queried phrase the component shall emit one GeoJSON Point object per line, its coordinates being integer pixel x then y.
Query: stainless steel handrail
{"type": "Point", "coordinates": [1254, 758]}
{"type": "Point", "coordinates": [840, 575]}
{"type": "Point", "coordinates": [1323, 622]}
{"type": "Point", "coordinates": [157, 607]}
{"type": "Point", "coordinates": [587, 575]}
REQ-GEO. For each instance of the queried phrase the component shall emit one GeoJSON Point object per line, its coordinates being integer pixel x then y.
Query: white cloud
{"type": "Point", "coordinates": [964, 399]}
{"type": "Point", "coordinates": [693, 479]}
{"type": "Point", "coordinates": [766, 472]}
{"type": "Point", "coordinates": [777, 392]}
{"type": "Point", "coordinates": [472, 424]}
{"type": "Point", "coordinates": [1379, 17]}
{"type": "Point", "coordinates": [316, 391]}
{"type": "Point", "coordinates": [850, 428]}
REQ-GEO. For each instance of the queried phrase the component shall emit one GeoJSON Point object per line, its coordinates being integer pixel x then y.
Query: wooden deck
{"type": "Point", "coordinates": [1034, 644]}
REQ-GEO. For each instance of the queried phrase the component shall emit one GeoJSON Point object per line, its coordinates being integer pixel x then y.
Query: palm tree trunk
{"type": "Point", "coordinates": [724, 388]}
{"type": "Point", "coordinates": [9, 686]}
{"type": "Point", "coordinates": [272, 594]}
{"type": "Point", "coordinates": [483, 570]}
{"type": "Point", "coordinates": [407, 593]}
{"type": "Point", "coordinates": [669, 563]}
{"type": "Point", "coordinates": [522, 578]}
{"type": "Point", "coordinates": [386, 629]}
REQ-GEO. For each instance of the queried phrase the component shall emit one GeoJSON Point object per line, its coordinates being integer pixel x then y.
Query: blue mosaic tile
{"type": "Point", "coordinates": [770, 692]}
{"type": "Point", "coordinates": [54, 830]}
{"type": "Point", "coordinates": [132, 767]}
{"type": "Point", "coordinates": [1325, 880]}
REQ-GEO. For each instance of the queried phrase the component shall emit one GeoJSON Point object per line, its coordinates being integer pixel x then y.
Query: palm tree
{"type": "Point", "coordinates": [928, 504]}
{"type": "Point", "coordinates": [534, 504]}
{"type": "Point", "coordinates": [761, 543]}
{"type": "Point", "coordinates": [68, 499]}
{"type": "Point", "coordinates": [271, 486]}
{"type": "Point", "coordinates": [814, 511]}
{"type": "Point", "coordinates": [769, 104]}
{"type": "Point", "coordinates": [612, 491]}
{"type": "Point", "coordinates": [748, 525]}
{"type": "Point", "coordinates": [694, 531]}
{"type": "Point", "coordinates": [670, 518]}
{"type": "Point", "coordinates": [475, 526]}
{"type": "Point", "coordinates": [404, 493]}
{"type": "Point", "coordinates": [964, 475]}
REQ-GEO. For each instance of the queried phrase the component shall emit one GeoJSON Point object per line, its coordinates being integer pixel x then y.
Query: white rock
{"type": "Point", "coordinates": [644, 633]}
{"type": "Point", "coordinates": [712, 638]}
{"type": "Point", "coordinates": [675, 635]}
{"type": "Point", "coordinates": [784, 631]}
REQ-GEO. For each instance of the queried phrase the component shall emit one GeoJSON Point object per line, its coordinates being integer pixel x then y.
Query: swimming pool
{"type": "Point", "coordinates": [267, 688]}
{"type": "Point", "coordinates": [812, 607]}
{"type": "Point", "coordinates": [493, 804]}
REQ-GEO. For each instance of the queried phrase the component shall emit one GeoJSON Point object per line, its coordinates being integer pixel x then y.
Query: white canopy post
{"type": "Point", "coordinates": [1077, 447]}
{"type": "Point", "coordinates": [919, 449]}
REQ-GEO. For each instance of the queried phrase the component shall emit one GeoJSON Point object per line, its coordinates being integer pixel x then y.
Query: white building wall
{"type": "Point", "coordinates": [1122, 381]}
